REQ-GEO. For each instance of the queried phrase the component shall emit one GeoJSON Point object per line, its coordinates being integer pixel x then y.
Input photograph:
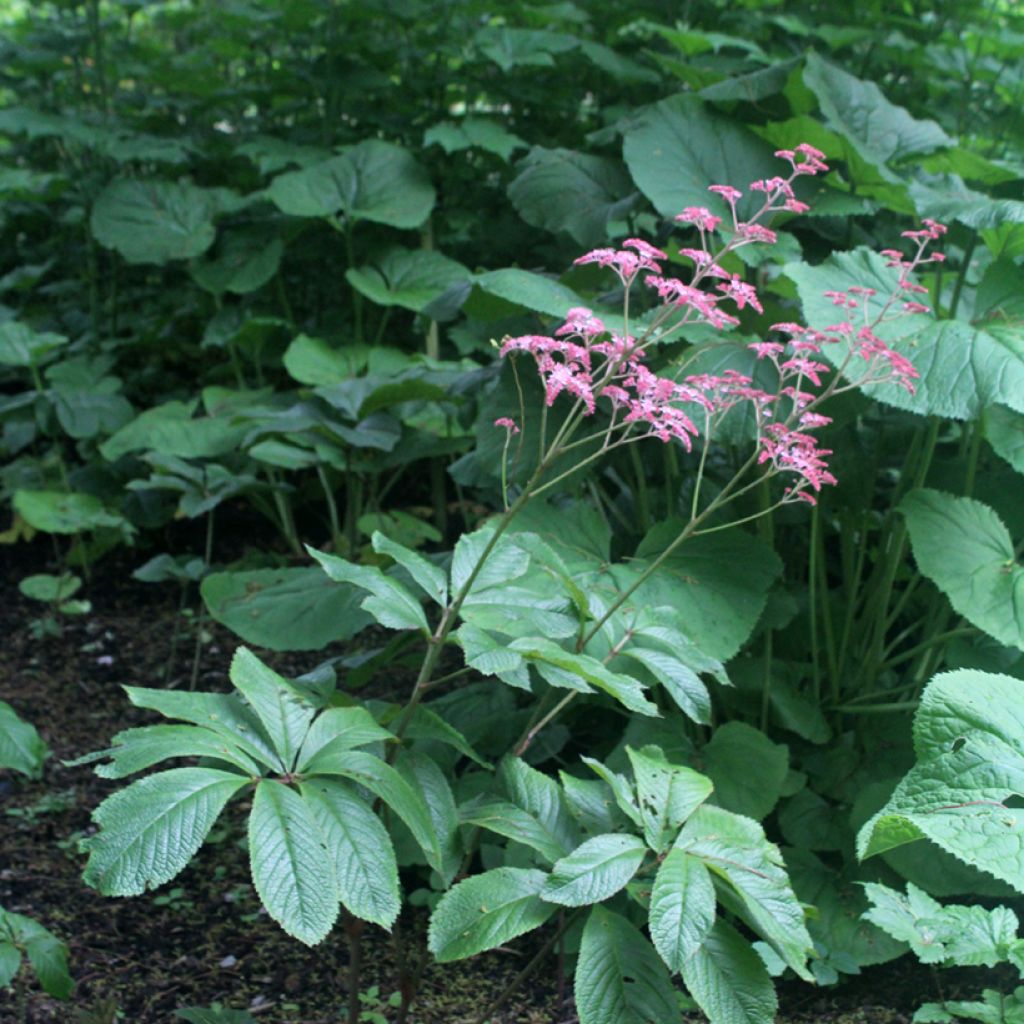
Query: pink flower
{"type": "Point", "coordinates": [508, 424]}
{"type": "Point", "coordinates": [701, 216]}
{"type": "Point", "coordinates": [741, 293]}
{"type": "Point", "coordinates": [727, 192]}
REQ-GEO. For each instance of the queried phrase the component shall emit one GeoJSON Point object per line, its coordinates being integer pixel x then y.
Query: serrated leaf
{"type": "Point", "coordinates": [619, 978]}
{"type": "Point", "coordinates": [487, 910]}
{"type": "Point", "coordinates": [291, 868]}
{"type": "Point", "coordinates": [683, 685]}
{"type": "Point", "coordinates": [594, 871]}
{"type": "Point", "coordinates": [364, 859]}
{"type": "Point", "coordinates": [729, 980]}
{"type": "Point", "coordinates": [427, 575]}
{"type": "Point", "coordinates": [339, 729]}
{"type": "Point", "coordinates": [1004, 430]}
{"type": "Point", "coordinates": [514, 823]}
{"type": "Point", "coordinates": [47, 955]}
{"type": "Point", "coordinates": [682, 908]}
{"type": "Point", "coordinates": [541, 796]}
{"type": "Point", "coordinates": [428, 725]}
{"type": "Point", "coordinates": [150, 830]}
{"type": "Point", "coordinates": [423, 775]}
{"type": "Point", "coordinates": [964, 548]}
{"type": "Point", "coordinates": [390, 603]}
{"type": "Point", "coordinates": [21, 747]}
{"type": "Point", "coordinates": [134, 750]}
{"type": "Point", "coordinates": [968, 740]}
{"type": "Point", "coordinates": [667, 794]}
{"type": "Point", "coordinates": [620, 787]}
{"type": "Point", "coordinates": [735, 849]}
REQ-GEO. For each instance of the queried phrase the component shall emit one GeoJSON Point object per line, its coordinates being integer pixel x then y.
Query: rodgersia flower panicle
{"type": "Point", "coordinates": [592, 364]}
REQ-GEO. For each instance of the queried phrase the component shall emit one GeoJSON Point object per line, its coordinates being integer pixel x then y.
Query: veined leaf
{"type": "Point", "coordinates": [21, 747]}
{"type": "Point", "coordinates": [150, 830]}
{"type": "Point", "coordinates": [291, 867]}
{"type": "Point", "coordinates": [390, 603]}
{"type": "Point", "coordinates": [427, 575]}
{"type": "Point", "coordinates": [134, 750]}
{"type": "Point", "coordinates": [594, 871]}
{"type": "Point", "coordinates": [668, 794]}
{"type": "Point", "coordinates": [364, 859]}
{"type": "Point", "coordinates": [747, 768]}
{"type": "Point", "coordinates": [425, 777]}
{"type": "Point", "coordinates": [683, 685]}
{"type": "Point", "coordinates": [619, 978]}
{"type": "Point", "coordinates": [284, 711]}
{"type": "Point", "coordinates": [339, 729]}
{"type": "Point", "coordinates": [487, 910]}
{"type": "Point", "coordinates": [411, 278]}
{"type": "Point", "coordinates": [682, 908]}
{"type": "Point", "coordinates": [541, 796]}
{"type": "Point", "coordinates": [729, 980]}
{"type": "Point", "coordinates": [514, 823]}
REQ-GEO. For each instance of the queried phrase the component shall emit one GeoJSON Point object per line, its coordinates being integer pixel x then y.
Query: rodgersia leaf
{"type": "Point", "coordinates": [729, 980]}
{"type": "Point", "coordinates": [291, 867]}
{"type": "Point", "coordinates": [364, 859]}
{"type": "Point", "coordinates": [152, 829]}
{"type": "Point", "coordinates": [134, 750]}
{"type": "Point", "coordinates": [668, 794]}
{"type": "Point", "coordinates": [594, 871]}
{"type": "Point", "coordinates": [336, 730]}
{"type": "Point", "coordinates": [968, 738]}
{"type": "Point", "coordinates": [619, 978]}
{"type": "Point", "coordinates": [487, 910]}
{"type": "Point", "coordinates": [682, 907]}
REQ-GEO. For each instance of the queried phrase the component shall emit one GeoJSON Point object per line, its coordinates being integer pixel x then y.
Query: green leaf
{"type": "Point", "coordinates": [735, 849]}
{"type": "Point", "coordinates": [172, 429]}
{"type": "Point", "coordinates": [49, 959]}
{"type": "Point", "coordinates": [411, 278]}
{"type": "Point", "coordinates": [522, 47]}
{"type": "Point", "coordinates": [427, 575]}
{"type": "Point", "coordinates": [729, 980]}
{"type": "Point", "coordinates": [963, 369]}
{"type": "Point", "coordinates": [748, 770]}
{"type": "Point", "coordinates": [1004, 430]}
{"type": "Point", "coordinates": [21, 346]}
{"type": "Point", "coordinates": [150, 830]}
{"type": "Point", "coordinates": [594, 871]}
{"type": "Point", "coordinates": [339, 729]}
{"type": "Point", "coordinates": [284, 710]}
{"type": "Point", "coordinates": [677, 147]}
{"type": "Point", "coordinates": [61, 512]}
{"type": "Point", "coordinates": [284, 609]}
{"type": "Point", "coordinates": [857, 110]}
{"type": "Point", "coordinates": [600, 188]}
{"type": "Point", "coordinates": [428, 725]}
{"type": "Point", "coordinates": [386, 782]}
{"type": "Point", "coordinates": [291, 867]}
{"type": "Point", "coordinates": [243, 263]}
{"type": "Point", "coordinates": [134, 750]}
{"type": "Point", "coordinates": [964, 548]}
{"type": "Point", "coordinates": [682, 908]}
{"type": "Point", "coordinates": [10, 962]}
{"type": "Point", "coordinates": [313, 361]}
{"type": "Point", "coordinates": [542, 797]}
{"type": "Point", "coordinates": [667, 794]}
{"type": "Point", "coordinates": [390, 603]}
{"type": "Point", "coordinates": [154, 221]}
{"type": "Point", "coordinates": [473, 132]}
{"type": "Point", "coordinates": [684, 686]}
{"type": "Point", "coordinates": [375, 180]}
{"type": "Point", "coordinates": [968, 743]}
{"type": "Point", "coordinates": [21, 747]}
{"type": "Point", "coordinates": [619, 978]}
{"type": "Point", "coordinates": [514, 823]}
{"type": "Point", "coordinates": [364, 858]}
{"type": "Point", "coordinates": [487, 910]}
{"type": "Point", "coordinates": [212, 1015]}
{"type": "Point", "coordinates": [529, 290]}
{"type": "Point", "coordinates": [423, 775]}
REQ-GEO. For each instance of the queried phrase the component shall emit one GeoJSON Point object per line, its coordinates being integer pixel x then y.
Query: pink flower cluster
{"type": "Point", "coordinates": [589, 362]}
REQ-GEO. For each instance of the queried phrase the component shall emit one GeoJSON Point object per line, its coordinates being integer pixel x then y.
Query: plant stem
{"type": "Point", "coordinates": [200, 618]}
{"type": "Point", "coordinates": [354, 930]}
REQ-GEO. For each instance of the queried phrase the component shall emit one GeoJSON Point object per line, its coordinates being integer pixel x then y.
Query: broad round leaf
{"type": "Point", "coordinates": [59, 512]}
{"type": "Point", "coordinates": [411, 278]}
{"type": "Point", "coordinates": [487, 910]}
{"type": "Point", "coordinates": [243, 263]}
{"type": "Point", "coordinates": [154, 221]}
{"type": "Point", "coordinates": [291, 867]}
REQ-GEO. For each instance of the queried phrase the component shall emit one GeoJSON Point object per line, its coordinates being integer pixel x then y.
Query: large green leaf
{"type": "Point", "coordinates": [150, 830]}
{"type": "Point", "coordinates": [473, 132]}
{"type": "Point", "coordinates": [735, 849]}
{"type": "Point", "coordinates": [667, 794]}
{"type": "Point", "coordinates": [506, 819]}
{"type": "Point", "coordinates": [968, 740]}
{"type": "Point", "coordinates": [857, 110]}
{"type": "Point", "coordinates": [364, 858]}
{"type": "Point", "coordinates": [284, 609]}
{"type": "Point", "coordinates": [172, 429]}
{"type": "Point", "coordinates": [338, 729]}
{"type": "Point", "coordinates": [374, 180]}
{"type": "Point", "coordinates": [594, 871]}
{"type": "Point", "coordinates": [61, 512]}
{"type": "Point", "coordinates": [426, 574]}
{"type": "Point", "coordinates": [541, 796]}
{"type": "Point", "coordinates": [963, 369]}
{"type": "Point", "coordinates": [964, 548]}
{"type": "Point", "coordinates": [487, 910]}
{"type": "Point", "coordinates": [21, 747]}
{"type": "Point", "coordinates": [1004, 430]}
{"type": "Point", "coordinates": [22, 346]}
{"type": "Point", "coordinates": [530, 290]}
{"type": "Point", "coordinates": [619, 978]}
{"type": "Point", "coordinates": [284, 710]}
{"type": "Point", "coordinates": [678, 147]}
{"type": "Point", "coordinates": [390, 603]}
{"type": "Point", "coordinates": [243, 263]}
{"type": "Point", "coordinates": [682, 908]}
{"type": "Point", "coordinates": [154, 221]}
{"type": "Point", "coordinates": [411, 278]}
{"type": "Point", "coordinates": [729, 980]}
{"type": "Point", "coordinates": [748, 770]}
{"type": "Point", "coordinates": [600, 188]}
{"type": "Point", "coordinates": [291, 867]}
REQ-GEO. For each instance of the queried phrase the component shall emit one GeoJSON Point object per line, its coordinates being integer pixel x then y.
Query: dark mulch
{"type": "Point", "coordinates": [203, 937]}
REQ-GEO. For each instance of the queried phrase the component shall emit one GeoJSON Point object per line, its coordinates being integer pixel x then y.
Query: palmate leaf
{"type": "Point", "coordinates": [594, 871]}
{"type": "Point", "coordinates": [152, 829]}
{"type": "Point", "coordinates": [21, 747]}
{"type": "Point", "coordinates": [729, 980]}
{"type": "Point", "coordinates": [284, 711]}
{"type": "Point", "coordinates": [487, 910]}
{"type": "Point", "coordinates": [292, 870]}
{"type": "Point", "coordinates": [964, 548]}
{"type": "Point", "coordinates": [619, 978]}
{"type": "Point", "coordinates": [968, 738]}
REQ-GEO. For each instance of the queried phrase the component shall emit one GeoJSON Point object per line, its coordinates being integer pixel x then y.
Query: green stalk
{"type": "Point", "coordinates": [201, 617]}
{"type": "Point", "coordinates": [332, 505]}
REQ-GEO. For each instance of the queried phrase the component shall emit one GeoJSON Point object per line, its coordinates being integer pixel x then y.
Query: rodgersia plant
{"type": "Point", "coordinates": [632, 854]}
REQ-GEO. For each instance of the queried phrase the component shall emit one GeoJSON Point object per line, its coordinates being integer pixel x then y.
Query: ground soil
{"type": "Point", "coordinates": [203, 938]}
